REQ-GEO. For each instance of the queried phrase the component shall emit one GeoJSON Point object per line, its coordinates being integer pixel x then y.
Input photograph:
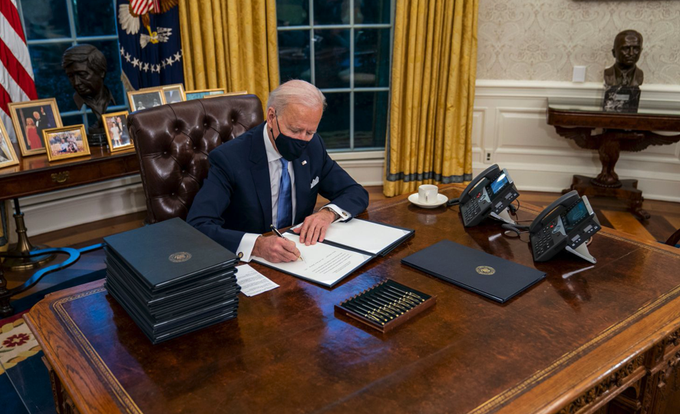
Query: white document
{"type": "Point", "coordinates": [253, 282]}
{"type": "Point", "coordinates": [364, 235]}
{"type": "Point", "coordinates": [322, 263]}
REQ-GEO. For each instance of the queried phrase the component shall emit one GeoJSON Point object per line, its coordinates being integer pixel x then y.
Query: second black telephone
{"type": "Point", "coordinates": [565, 224]}
{"type": "Point", "coordinates": [492, 191]}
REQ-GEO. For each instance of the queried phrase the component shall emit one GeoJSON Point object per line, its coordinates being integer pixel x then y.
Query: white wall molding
{"type": "Point", "coordinates": [508, 125]}
{"type": "Point", "coordinates": [79, 205]}
{"type": "Point", "coordinates": [512, 118]}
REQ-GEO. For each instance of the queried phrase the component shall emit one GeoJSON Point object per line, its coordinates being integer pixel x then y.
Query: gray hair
{"type": "Point", "coordinates": [296, 92]}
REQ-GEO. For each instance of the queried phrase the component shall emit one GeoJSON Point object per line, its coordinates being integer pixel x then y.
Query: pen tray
{"type": "Point", "coordinates": [385, 305]}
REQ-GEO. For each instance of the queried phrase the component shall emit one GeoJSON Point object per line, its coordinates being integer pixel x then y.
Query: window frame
{"type": "Point", "coordinates": [370, 152]}
{"type": "Point", "coordinates": [74, 40]}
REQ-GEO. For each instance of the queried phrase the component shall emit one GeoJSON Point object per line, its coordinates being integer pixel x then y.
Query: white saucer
{"type": "Point", "coordinates": [441, 199]}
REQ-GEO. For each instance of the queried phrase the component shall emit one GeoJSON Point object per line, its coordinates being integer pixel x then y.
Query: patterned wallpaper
{"type": "Point", "coordinates": [543, 40]}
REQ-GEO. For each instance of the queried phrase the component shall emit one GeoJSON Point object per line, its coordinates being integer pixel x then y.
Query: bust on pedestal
{"type": "Point", "coordinates": [623, 79]}
{"type": "Point", "coordinates": [85, 67]}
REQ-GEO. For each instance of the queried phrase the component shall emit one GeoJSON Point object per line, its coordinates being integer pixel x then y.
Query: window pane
{"type": "Point", "coordinates": [372, 11]}
{"type": "Point", "coordinates": [50, 79]}
{"type": "Point", "coordinates": [331, 63]}
{"type": "Point", "coordinates": [94, 17]}
{"type": "Point", "coordinates": [370, 119]}
{"type": "Point", "coordinates": [334, 126]}
{"type": "Point", "coordinates": [294, 55]}
{"type": "Point", "coordinates": [331, 12]}
{"type": "Point", "coordinates": [292, 12]}
{"type": "Point", "coordinates": [112, 80]}
{"type": "Point", "coordinates": [72, 120]}
{"type": "Point", "coordinates": [372, 57]}
{"type": "Point", "coordinates": [45, 19]}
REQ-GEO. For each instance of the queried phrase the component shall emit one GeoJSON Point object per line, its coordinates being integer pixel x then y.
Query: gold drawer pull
{"type": "Point", "coordinates": [60, 177]}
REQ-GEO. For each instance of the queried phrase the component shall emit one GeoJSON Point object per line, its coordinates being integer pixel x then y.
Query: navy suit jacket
{"type": "Point", "coordinates": [236, 196]}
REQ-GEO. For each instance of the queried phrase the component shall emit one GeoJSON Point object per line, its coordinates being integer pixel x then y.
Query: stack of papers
{"type": "Point", "coordinates": [171, 279]}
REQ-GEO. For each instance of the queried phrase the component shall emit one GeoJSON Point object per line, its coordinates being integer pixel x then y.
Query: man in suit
{"type": "Point", "coordinates": [627, 49]}
{"type": "Point", "coordinates": [272, 174]}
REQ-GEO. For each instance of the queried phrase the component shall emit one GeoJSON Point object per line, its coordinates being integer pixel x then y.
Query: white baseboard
{"type": "Point", "coordinates": [74, 206]}
{"type": "Point", "coordinates": [70, 207]}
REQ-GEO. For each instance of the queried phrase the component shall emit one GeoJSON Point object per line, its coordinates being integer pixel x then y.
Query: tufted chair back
{"type": "Point", "coordinates": [173, 143]}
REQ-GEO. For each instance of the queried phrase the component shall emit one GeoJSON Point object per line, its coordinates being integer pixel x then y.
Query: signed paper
{"type": "Point", "coordinates": [322, 263]}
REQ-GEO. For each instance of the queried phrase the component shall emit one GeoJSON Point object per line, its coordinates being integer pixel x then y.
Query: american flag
{"type": "Point", "coordinates": [16, 72]}
{"type": "Point", "coordinates": [140, 7]}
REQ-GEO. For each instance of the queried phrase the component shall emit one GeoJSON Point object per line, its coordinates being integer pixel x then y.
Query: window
{"type": "Point", "coordinates": [343, 47]}
{"type": "Point", "coordinates": [51, 27]}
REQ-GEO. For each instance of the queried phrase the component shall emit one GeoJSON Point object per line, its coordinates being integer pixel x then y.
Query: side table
{"type": "Point", "coordinates": [36, 175]}
{"type": "Point", "coordinates": [621, 132]}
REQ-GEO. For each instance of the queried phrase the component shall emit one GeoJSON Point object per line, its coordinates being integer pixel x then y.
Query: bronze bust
{"type": "Point", "coordinates": [85, 67]}
{"type": "Point", "coordinates": [627, 49]}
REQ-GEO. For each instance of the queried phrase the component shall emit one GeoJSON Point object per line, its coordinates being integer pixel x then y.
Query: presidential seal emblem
{"type": "Point", "coordinates": [179, 257]}
{"type": "Point", "coordinates": [485, 270]}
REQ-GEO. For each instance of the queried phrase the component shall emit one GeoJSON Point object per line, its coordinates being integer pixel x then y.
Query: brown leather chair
{"type": "Point", "coordinates": [173, 143]}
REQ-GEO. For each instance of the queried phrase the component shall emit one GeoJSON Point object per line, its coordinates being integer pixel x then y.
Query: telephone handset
{"type": "Point", "coordinates": [566, 223]}
{"type": "Point", "coordinates": [492, 191]}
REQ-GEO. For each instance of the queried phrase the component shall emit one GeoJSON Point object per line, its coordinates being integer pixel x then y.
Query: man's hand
{"type": "Point", "coordinates": [314, 227]}
{"type": "Point", "coordinates": [275, 249]}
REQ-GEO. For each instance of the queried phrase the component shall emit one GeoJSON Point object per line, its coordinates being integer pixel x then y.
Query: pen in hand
{"type": "Point", "coordinates": [278, 233]}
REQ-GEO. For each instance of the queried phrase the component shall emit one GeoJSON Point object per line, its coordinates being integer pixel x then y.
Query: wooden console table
{"type": "Point", "coordinates": [36, 175]}
{"type": "Point", "coordinates": [577, 120]}
{"type": "Point", "coordinates": [588, 338]}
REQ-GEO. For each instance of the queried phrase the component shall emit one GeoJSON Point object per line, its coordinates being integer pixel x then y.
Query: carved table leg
{"type": "Point", "coordinates": [609, 152]}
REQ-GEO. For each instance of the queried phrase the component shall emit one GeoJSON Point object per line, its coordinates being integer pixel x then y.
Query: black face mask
{"type": "Point", "coordinates": [289, 148]}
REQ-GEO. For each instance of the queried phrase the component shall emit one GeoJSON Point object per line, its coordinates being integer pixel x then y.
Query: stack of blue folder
{"type": "Point", "coordinates": [171, 279]}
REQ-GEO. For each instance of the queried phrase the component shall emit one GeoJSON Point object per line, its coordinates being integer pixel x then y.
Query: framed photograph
{"type": "Point", "coordinates": [30, 119]}
{"type": "Point", "coordinates": [7, 155]}
{"type": "Point", "coordinates": [145, 98]}
{"type": "Point", "coordinates": [173, 93]}
{"type": "Point", "coordinates": [228, 94]}
{"type": "Point", "coordinates": [66, 142]}
{"type": "Point", "coordinates": [200, 94]}
{"type": "Point", "coordinates": [117, 132]}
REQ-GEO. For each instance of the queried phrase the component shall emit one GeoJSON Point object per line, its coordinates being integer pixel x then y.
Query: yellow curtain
{"type": "Point", "coordinates": [434, 62]}
{"type": "Point", "coordinates": [230, 44]}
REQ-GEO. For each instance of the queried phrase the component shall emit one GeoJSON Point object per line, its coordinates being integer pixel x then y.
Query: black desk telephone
{"type": "Point", "coordinates": [492, 191]}
{"type": "Point", "coordinates": [565, 224]}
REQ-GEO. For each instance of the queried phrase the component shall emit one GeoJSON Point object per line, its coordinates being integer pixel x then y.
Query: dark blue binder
{"type": "Point", "coordinates": [490, 276]}
{"type": "Point", "coordinates": [169, 253]}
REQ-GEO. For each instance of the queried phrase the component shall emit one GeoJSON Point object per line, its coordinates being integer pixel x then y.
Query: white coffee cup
{"type": "Point", "coordinates": [427, 194]}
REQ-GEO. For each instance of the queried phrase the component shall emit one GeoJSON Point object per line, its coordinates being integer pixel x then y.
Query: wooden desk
{"type": "Point", "coordinates": [570, 344]}
{"type": "Point", "coordinates": [621, 132]}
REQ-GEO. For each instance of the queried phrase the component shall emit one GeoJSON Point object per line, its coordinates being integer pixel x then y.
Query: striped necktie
{"type": "Point", "coordinates": [285, 208]}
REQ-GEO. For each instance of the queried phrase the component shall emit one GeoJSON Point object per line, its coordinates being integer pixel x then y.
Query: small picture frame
{"type": "Point", "coordinates": [7, 155]}
{"type": "Point", "coordinates": [30, 119]}
{"type": "Point", "coordinates": [117, 133]}
{"type": "Point", "coordinates": [173, 93]}
{"type": "Point", "coordinates": [145, 98]}
{"type": "Point", "coordinates": [228, 94]}
{"type": "Point", "coordinates": [66, 142]}
{"type": "Point", "coordinates": [202, 93]}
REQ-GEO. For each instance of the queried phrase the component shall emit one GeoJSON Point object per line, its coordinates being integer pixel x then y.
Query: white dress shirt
{"type": "Point", "coordinates": [245, 248]}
